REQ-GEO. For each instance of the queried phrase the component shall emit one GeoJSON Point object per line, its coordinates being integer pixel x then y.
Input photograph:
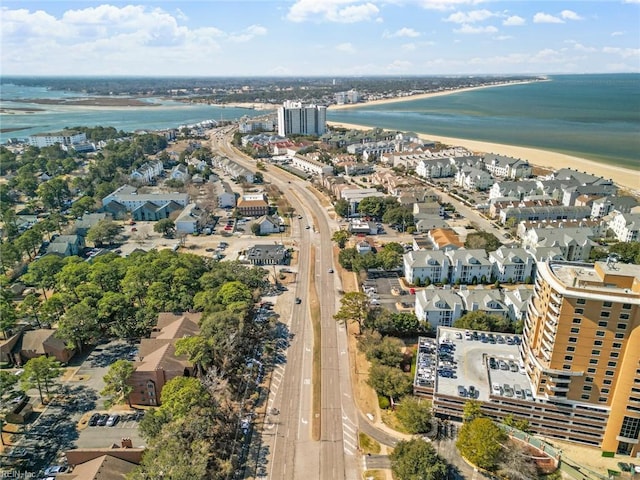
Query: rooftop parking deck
{"type": "Point", "coordinates": [469, 363]}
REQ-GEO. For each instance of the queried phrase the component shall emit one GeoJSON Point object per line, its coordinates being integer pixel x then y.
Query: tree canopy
{"type": "Point", "coordinates": [481, 442]}
{"type": "Point", "coordinates": [483, 321]}
{"type": "Point", "coordinates": [417, 460]}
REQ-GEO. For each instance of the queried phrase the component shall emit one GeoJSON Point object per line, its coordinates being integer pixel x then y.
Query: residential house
{"type": "Point", "coordinates": [226, 197]}
{"type": "Point", "coordinates": [267, 255]}
{"type": "Point", "coordinates": [626, 226]}
{"type": "Point", "coordinates": [426, 223]}
{"type": "Point", "coordinates": [268, 224]}
{"type": "Point", "coordinates": [363, 247]}
{"type": "Point", "coordinates": [88, 220]}
{"type": "Point", "coordinates": [434, 168]}
{"type": "Point", "coordinates": [471, 178]}
{"type": "Point", "coordinates": [574, 243]}
{"type": "Point", "coordinates": [309, 165]}
{"type": "Point", "coordinates": [445, 239]}
{"type": "Point", "coordinates": [556, 212]}
{"type": "Point", "coordinates": [469, 266]}
{"type": "Point", "coordinates": [38, 343]}
{"type": "Point", "coordinates": [426, 266]}
{"type": "Point", "coordinates": [180, 173]}
{"type": "Point", "coordinates": [605, 205]}
{"type": "Point", "coordinates": [486, 300]}
{"type": "Point", "coordinates": [355, 168]}
{"type": "Point", "coordinates": [513, 265]}
{"type": "Point", "coordinates": [354, 196]}
{"type": "Point", "coordinates": [147, 172]}
{"type": "Point", "coordinates": [152, 211]}
{"type": "Point", "coordinates": [597, 226]}
{"type": "Point", "coordinates": [428, 208]}
{"type": "Point", "coordinates": [128, 197]}
{"type": "Point", "coordinates": [516, 301]}
{"type": "Point", "coordinates": [158, 362]}
{"type": "Point", "coordinates": [255, 205]}
{"type": "Point", "coordinates": [507, 167]}
{"type": "Point", "coordinates": [518, 190]}
{"type": "Point", "coordinates": [438, 307]}
{"type": "Point", "coordinates": [66, 245]}
{"type": "Point", "coordinates": [191, 220]}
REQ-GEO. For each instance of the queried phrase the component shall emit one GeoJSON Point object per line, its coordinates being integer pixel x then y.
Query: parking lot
{"type": "Point", "coordinates": [387, 292]}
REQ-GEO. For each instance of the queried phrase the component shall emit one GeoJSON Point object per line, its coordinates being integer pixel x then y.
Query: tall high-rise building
{"type": "Point", "coordinates": [581, 349]}
{"type": "Point", "coordinates": [295, 118]}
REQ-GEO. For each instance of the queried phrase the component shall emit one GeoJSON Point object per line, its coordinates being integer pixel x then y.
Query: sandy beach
{"type": "Point", "coordinates": [420, 96]}
{"type": "Point", "coordinates": [625, 178]}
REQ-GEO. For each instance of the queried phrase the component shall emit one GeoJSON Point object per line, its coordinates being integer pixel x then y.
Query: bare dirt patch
{"type": "Point", "coordinates": [314, 307]}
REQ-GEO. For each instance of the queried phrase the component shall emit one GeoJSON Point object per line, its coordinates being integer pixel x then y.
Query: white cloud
{"type": "Point", "coordinates": [399, 66]}
{"type": "Point", "coordinates": [623, 52]}
{"type": "Point", "coordinates": [409, 47]}
{"type": "Point", "coordinates": [249, 34]}
{"type": "Point", "coordinates": [339, 11]}
{"type": "Point", "coordinates": [570, 15]}
{"type": "Point", "coordinates": [542, 17]}
{"type": "Point", "coordinates": [617, 34]}
{"type": "Point", "coordinates": [470, 17]}
{"type": "Point", "coordinates": [513, 21]}
{"type": "Point", "coordinates": [470, 29]}
{"type": "Point", "coordinates": [403, 32]}
{"type": "Point", "coordinates": [446, 4]}
{"type": "Point", "coordinates": [503, 37]}
{"type": "Point", "coordinates": [346, 48]}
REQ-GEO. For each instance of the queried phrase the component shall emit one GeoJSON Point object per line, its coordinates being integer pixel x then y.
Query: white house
{"type": "Point", "coordinates": [439, 307]}
{"type": "Point", "coordinates": [485, 300]}
{"type": "Point", "coordinates": [191, 219]}
{"type": "Point", "coordinates": [511, 264]}
{"type": "Point", "coordinates": [516, 301]}
{"type": "Point", "coordinates": [471, 178]}
{"type": "Point", "coordinates": [226, 197]}
{"type": "Point", "coordinates": [574, 243]}
{"type": "Point", "coordinates": [148, 171]}
{"type": "Point", "coordinates": [180, 173]}
{"type": "Point", "coordinates": [507, 167]}
{"type": "Point", "coordinates": [469, 266]}
{"type": "Point", "coordinates": [626, 226]}
{"type": "Point", "coordinates": [363, 247]}
{"type": "Point", "coordinates": [420, 265]}
{"type": "Point", "coordinates": [268, 225]}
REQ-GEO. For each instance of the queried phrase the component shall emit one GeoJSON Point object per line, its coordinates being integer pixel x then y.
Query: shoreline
{"type": "Point", "coordinates": [422, 96]}
{"type": "Point", "coordinates": [625, 178]}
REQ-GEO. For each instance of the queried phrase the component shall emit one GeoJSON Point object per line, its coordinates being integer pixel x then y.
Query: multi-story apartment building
{"type": "Point", "coordinates": [64, 138]}
{"type": "Point", "coordinates": [581, 351]}
{"type": "Point", "coordinates": [295, 118]}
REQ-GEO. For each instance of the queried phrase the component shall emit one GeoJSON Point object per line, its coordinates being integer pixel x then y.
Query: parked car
{"type": "Point", "coordinates": [93, 421]}
{"type": "Point", "coordinates": [102, 421]}
{"type": "Point", "coordinates": [112, 420]}
{"type": "Point", "coordinates": [298, 300]}
{"type": "Point", "coordinates": [54, 470]}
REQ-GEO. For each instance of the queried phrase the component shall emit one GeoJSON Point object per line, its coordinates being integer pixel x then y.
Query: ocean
{"type": "Point", "coordinates": [50, 118]}
{"type": "Point", "coordinates": [596, 117]}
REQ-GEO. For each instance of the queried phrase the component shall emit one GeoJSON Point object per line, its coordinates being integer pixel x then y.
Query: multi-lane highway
{"type": "Point", "coordinates": [293, 452]}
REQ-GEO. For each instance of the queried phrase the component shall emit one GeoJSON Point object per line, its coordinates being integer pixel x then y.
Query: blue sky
{"type": "Point", "coordinates": [318, 37]}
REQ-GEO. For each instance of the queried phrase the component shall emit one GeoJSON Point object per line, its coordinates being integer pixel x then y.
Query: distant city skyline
{"type": "Point", "coordinates": [318, 37]}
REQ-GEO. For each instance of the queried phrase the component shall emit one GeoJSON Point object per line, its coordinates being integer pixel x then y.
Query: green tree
{"type": "Point", "coordinates": [389, 259]}
{"type": "Point", "coordinates": [341, 237]}
{"type": "Point", "coordinates": [401, 324]}
{"type": "Point", "coordinates": [389, 381]}
{"type": "Point", "coordinates": [8, 313]}
{"type": "Point", "coordinates": [29, 308]}
{"type": "Point", "coordinates": [79, 325]}
{"type": "Point", "coordinates": [415, 414]}
{"type": "Point", "coordinates": [29, 242]}
{"type": "Point", "coordinates": [255, 229]}
{"type": "Point", "coordinates": [480, 441]}
{"type": "Point", "coordinates": [347, 257]}
{"type": "Point", "coordinates": [521, 424]}
{"type": "Point", "coordinates": [166, 227]}
{"type": "Point", "coordinates": [83, 205]}
{"type": "Point", "coordinates": [103, 232]}
{"type": "Point", "coordinates": [388, 351]}
{"type": "Point", "coordinates": [471, 410]}
{"type": "Point", "coordinates": [354, 308]}
{"type": "Point", "coordinates": [399, 215]}
{"type": "Point", "coordinates": [54, 193]}
{"type": "Point", "coordinates": [234, 292]}
{"type": "Point", "coordinates": [417, 460]}
{"type": "Point", "coordinates": [74, 273]}
{"type": "Point", "coordinates": [9, 256]}
{"type": "Point", "coordinates": [39, 372]}
{"type": "Point", "coordinates": [116, 380]}
{"type": "Point", "coordinates": [42, 272]}
{"type": "Point", "coordinates": [482, 240]}
{"type": "Point", "coordinates": [341, 208]}
{"type": "Point", "coordinates": [181, 394]}
{"type": "Point", "coordinates": [199, 351]}
{"type": "Point", "coordinates": [371, 207]}
{"type": "Point", "coordinates": [483, 321]}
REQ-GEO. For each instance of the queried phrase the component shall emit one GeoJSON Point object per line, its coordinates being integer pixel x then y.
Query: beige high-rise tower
{"type": "Point", "coordinates": [581, 349]}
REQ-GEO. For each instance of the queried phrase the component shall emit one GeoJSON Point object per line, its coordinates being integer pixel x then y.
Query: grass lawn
{"type": "Point", "coordinates": [368, 444]}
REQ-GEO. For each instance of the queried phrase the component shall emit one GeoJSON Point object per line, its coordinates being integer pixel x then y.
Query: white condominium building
{"type": "Point", "coordinates": [295, 118]}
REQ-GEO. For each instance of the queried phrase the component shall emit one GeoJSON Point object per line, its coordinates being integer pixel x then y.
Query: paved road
{"type": "Point", "coordinates": [292, 451]}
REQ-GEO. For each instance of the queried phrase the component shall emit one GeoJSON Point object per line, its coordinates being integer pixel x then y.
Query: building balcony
{"type": "Point", "coordinates": [548, 335]}
{"type": "Point", "coordinates": [532, 311]}
{"type": "Point", "coordinates": [556, 298]}
{"type": "Point", "coordinates": [555, 307]}
{"type": "Point", "coordinates": [553, 317]}
{"type": "Point", "coordinates": [556, 388]}
{"type": "Point", "coordinates": [633, 441]}
{"type": "Point", "coordinates": [548, 344]}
